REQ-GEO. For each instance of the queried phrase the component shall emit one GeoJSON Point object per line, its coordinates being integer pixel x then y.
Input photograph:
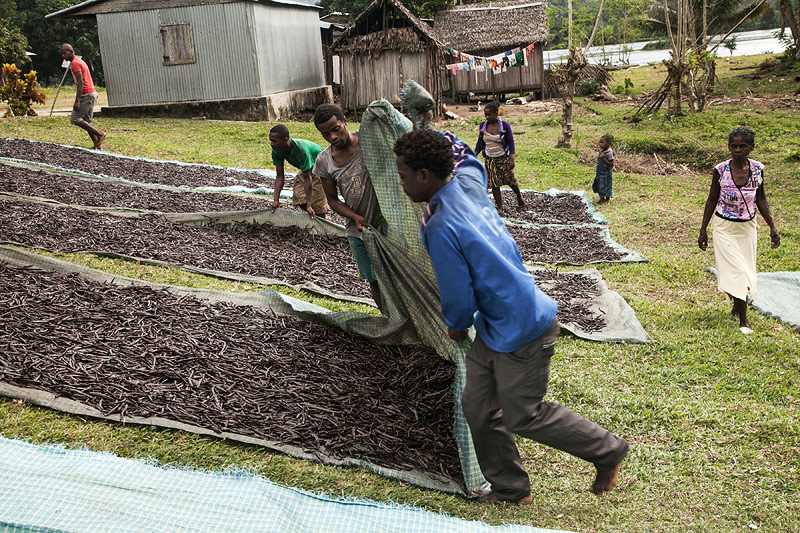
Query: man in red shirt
{"type": "Point", "coordinates": [85, 96]}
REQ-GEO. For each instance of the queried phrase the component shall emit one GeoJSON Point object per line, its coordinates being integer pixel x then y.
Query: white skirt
{"type": "Point", "coordinates": [735, 254]}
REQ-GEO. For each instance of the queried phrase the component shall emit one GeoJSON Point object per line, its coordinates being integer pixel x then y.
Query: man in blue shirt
{"type": "Point", "coordinates": [483, 282]}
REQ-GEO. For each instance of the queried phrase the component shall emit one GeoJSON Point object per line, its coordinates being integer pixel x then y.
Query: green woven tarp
{"type": "Point", "coordinates": [404, 271]}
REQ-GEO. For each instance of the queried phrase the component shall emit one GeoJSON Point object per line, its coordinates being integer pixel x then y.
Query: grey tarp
{"type": "Point", "coordinates": [778, 295]}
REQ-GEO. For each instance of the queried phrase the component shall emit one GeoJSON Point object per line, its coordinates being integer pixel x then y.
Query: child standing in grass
{"type": "Point", "coordinates": [603, 176]}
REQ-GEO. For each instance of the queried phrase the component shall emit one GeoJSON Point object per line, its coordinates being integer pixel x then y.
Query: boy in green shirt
{"type": "Point", "coordinates": [301, 154]}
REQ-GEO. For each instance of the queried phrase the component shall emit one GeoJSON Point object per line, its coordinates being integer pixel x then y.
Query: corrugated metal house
{"type": "Point", "coordinates": [386, 45]}
{"type": "Point", "coordinates": [486, 29]}
{"type": "Point", "coordinates": [239, 59]}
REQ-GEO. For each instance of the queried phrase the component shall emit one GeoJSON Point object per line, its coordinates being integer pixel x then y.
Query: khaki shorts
{"type": "Point", "coordinates": [319, 202]}
{"type": "Point", "coordinates": [86, 110]}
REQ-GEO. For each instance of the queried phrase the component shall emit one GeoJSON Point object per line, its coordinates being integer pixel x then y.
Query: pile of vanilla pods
{"type": "Point", "coordinates": [143, 352]}
{"type": "Point", "coordinates": [289, 254]}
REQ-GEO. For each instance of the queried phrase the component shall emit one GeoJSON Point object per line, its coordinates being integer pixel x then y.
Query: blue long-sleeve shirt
{"type": "Point", "coordinates": [506, 137]}
{"type": "Point", "coordinates": [478, 265]}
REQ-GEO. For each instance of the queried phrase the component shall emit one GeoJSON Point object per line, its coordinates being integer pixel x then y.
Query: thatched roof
{"type": "Point", "coordinates": [394, 26]}
{"type": "Point", "coordinates": [491, 27]}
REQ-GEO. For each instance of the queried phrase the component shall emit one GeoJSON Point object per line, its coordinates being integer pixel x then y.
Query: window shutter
{"type": "Point", "coordinates": [177, 44]}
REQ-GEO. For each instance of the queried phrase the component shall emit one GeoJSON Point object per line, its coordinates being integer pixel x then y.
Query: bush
{"type": "Point", "coordinates": [786, 40]}
{"type": "Point", "coordinates": [656, 45]}
{"type": "Point", "coordinates": [623, 89]}
{"type": "Point", "coordinates": [587, 87]}
{"type": "Point", "coordinates": [20, 92]}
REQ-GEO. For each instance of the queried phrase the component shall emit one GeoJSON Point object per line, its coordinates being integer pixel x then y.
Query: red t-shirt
{"type": "Point", "coordinates": [79, 68]}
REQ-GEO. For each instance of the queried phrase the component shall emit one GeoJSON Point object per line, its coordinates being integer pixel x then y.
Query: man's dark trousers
{"type": "Point", "coordinates": [503, 397]}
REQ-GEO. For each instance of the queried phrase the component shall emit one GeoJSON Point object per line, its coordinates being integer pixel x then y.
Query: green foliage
{"type": "Point", "coordinates": [658, 44]}
{"type": "Point", "coordinates": [789, 44]}
{"type": "Point", "coordinates": [13, 43]}
{"type": "Point", "coordinates": [45, 37]}
{"type": "Point", "coordinates": [20, 92]}
{"type": "Point", "coordinates": [622, 22]}
{"type": "Point", "coordinates": [699, 59]}
{"type": "Point", "coordinates": [623, 88]}
{"type": "Point", "coordinates": [730, 43]}
{"type": "Point", "coordinates": [587, 87]}
{"type": "Point", "coordinates": [793, 156]}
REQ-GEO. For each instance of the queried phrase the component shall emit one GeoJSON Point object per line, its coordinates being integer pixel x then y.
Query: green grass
{"type": "Point", "coordinates": [712, 415]}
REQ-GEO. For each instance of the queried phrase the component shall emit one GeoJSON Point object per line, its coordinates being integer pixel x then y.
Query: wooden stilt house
{"type": "Point", "coordinates": [487, 29]}
{"type": "Point", "coordinates": [385, 46]}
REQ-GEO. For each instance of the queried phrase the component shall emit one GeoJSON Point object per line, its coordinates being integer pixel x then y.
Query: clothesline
{"type": "Point", "coordinates": [516, 57]}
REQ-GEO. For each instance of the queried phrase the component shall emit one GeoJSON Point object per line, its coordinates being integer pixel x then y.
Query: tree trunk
{"type": "Point", "coordinates": [675, 70]}
{"type": "Point", "coordinates": [788, 17]}
{"type": "Point", "coordinates": [567, 129]}
{"type": "Point", "coordinates": [566, 77]}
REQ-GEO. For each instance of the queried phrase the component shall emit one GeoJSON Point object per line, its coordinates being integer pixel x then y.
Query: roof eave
{"type": "Point", "coordinates": [66, 12]}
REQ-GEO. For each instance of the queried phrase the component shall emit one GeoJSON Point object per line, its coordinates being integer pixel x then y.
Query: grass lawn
{"type": "Point", "coordinates": [713, 416]}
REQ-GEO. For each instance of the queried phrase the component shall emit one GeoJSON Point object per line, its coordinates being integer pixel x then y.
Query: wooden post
{"type": "Point", "coordinates": [58, 90]}
{"type": "Point", "coordinates": [372, 72]}
{"type": "Point", "coordinates": [355, 92]}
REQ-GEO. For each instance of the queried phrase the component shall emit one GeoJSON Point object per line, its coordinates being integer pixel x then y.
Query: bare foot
{"type": "Point", "coordinates": [605, 480]}
{"type": "Point", "coordinates": [487, 496]}
{"type": "Point", "coordinates": [99, 142]}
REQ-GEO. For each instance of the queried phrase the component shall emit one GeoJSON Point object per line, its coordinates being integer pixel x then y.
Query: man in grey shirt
{"type": "Point", "coordinates": [341, 164]}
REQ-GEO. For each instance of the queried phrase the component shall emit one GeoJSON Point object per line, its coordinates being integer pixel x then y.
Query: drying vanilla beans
{"type": "Point", "coordinates": [577, 246]}
{"type": "Point", "coordinates": [540, 208]}
{"type": "Point", "coordinates": [571, 290]}
{"type": "Point", "coordinates": [292, 255]}
{"type": "Point", "coordinates": [77, 191]}
{"type": "Point", "coordinates": [139, 170]}
{"type": "Point", "coordinates": [144, 352]}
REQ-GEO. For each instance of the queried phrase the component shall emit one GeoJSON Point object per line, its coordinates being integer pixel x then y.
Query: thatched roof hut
{"type": "Point", "coordinates": [383, 47]}
{"type": "Point", "coordinates": [486, 29]}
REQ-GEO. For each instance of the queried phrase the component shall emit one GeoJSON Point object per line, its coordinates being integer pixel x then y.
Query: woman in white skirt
{"type": "Point", "coordinates": [737, 190]}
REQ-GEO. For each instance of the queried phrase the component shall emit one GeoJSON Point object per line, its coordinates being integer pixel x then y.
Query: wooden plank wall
{"type": "Point", "coordinates": [369, 77]}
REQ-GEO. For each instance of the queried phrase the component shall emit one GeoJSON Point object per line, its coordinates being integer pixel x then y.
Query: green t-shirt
{"type": "Point", "coordinates": [302, 154]}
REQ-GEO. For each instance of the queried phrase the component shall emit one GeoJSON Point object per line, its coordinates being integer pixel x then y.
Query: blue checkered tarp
{"type": "Point", "coordinates": [51, 488]}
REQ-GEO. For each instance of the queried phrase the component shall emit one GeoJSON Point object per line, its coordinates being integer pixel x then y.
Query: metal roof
{"type": "Point", "coordinates": [87, 3]}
